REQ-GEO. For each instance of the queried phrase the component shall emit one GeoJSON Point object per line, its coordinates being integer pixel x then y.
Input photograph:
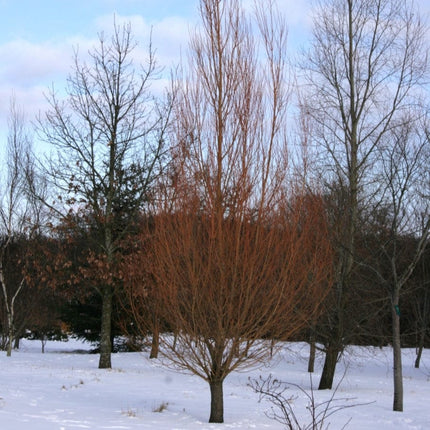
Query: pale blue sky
{"type": "Point", "coordinates": [41, 20]}
{"type": "Point", "coordinates": [37, 38]}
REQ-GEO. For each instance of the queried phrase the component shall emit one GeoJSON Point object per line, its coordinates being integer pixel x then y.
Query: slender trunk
{"type": "Point", "coordinates": [175, 340]}
{"type": "Point", "coordinates": [272, 345]}
{"type": "Point", "coordinates": [10, 333]}
{"type": "Point", "coordinates": [312, 352]}
{"type": "Point", "coordinates": [327, 376]}
{"type": "Point", "coordinates": [106, 329]}
{"type": "Point", "coordinates": [16, 341]}
{"type": "Point", "coordinates": [217, 402]}
{"type": "Point", "coordinates": [155, 339]}
{"type": "Point", "coordinates": [423, 321]}
{"type": "Point", "coordinates": [3, 342]}
{"type": "Point", "coordinates": [397, 356]}
{"type": "Point", "coordinates": [9, 309]}
{"type": "Point", "coordinates": [107, 291]}
{"type": "Point", "coordinates": [422, 332]}
{"type": "Point", "coordinates": [236, 348]}
{"type": "Point", "coordinates": [420, 349]}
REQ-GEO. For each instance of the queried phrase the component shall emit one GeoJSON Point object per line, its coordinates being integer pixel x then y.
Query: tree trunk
{"type": "Point", "coordinates": [327, 376]}
{"type": "Point", "coordinates": [155, 339]}
{"type": "Point", "coordinates": [10, 334]}
{"type": "Point", "coordinates": [419, 354]}
{"type": "Point", "coordinates": [272, 346]}
{"type": "Point", "coordinates": [217, 402]}
{"type": "Point", "coordinates": [175, 340]}
{"type": "Point", "coordinates": [423, 322]}
{"type": "Point", "coordinates": [9, 348]}
{"type": "Point", "coordinates": [43, 339]}
{"type": "Point", "coordinates": [312, 352]}
{"type": "Point", "coordinates": [397, 356]}
{"type": "Point", "coordinates": [106, 329]}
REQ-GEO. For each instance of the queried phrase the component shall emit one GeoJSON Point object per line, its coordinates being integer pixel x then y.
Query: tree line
{"type": "Point", "coordinates": [241, 208]}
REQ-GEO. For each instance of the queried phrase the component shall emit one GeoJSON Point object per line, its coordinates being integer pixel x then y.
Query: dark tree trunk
{"type": "Point", "coordinates": [10, 334]}
{"type": "Point", "coordinates": [272, 346]}
{"type": "Point", "coordinates": [420, 348]}
{"type": "Point", "coordinates": [312, 352]}
{"type": "Point", "coordinates": [106, 329]}
{"type": "Point", "coordinates": [155, 339]}
{"type": "Point", "coordinates": [397, 356]}
{"type": "Point", "coordinates": [327, 376]}
{"type": "Point", "coordinates": [423, 322]}
{"type": "Point", "coordinates": [217, 402]}
{"type": "Point", "coordinates": [419, 354]}
{"type": "Point", "coordinates": [175, 340]}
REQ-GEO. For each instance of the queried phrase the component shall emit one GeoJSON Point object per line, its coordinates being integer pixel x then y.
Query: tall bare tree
{"type": "Point", "coordinates": [238, 256]}
{"type": "Point", "coordinates": [108, 133]}
{"type": "Point", "coordinates": [404, 231]}
{"type": "Point", "coordinates": [18, 215]}
{"type": "Point", "coordinates": [365, 66]}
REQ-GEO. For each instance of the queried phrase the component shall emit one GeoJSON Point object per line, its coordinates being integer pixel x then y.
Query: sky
{"type": "Point", "coordinates": [38, 38]}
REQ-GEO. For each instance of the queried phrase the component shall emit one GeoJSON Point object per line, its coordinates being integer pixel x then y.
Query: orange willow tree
{"type": "Point", "coordinates": [229, 287]}
{"type": "Point", "coordinates": [233, 263]}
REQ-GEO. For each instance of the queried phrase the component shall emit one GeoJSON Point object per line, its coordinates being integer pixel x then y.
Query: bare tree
{"type": "Point", "coordinates": [18, 218]}
{"type": "Point", "coordinates": [239, 256]}
{"type": "Point", "coordinates": [109, 135]}
{"type": "Point", "coordinates": [364, 68]}
{"type": "Point", "coordinates": [405, 230]}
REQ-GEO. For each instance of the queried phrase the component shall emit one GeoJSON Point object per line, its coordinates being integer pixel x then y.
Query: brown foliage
{"type": "Point", "coordinates": [240, 279]}
{"type": "Point", "coordinates": [228, 287]}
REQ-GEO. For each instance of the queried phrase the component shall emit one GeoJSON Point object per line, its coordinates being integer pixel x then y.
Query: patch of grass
{"type": "Point", "coordinates": [161, 407]}
{"type": "Point", "coordinates": [81, 382]}
{"type": "Point", "coordinates": [132, 413]}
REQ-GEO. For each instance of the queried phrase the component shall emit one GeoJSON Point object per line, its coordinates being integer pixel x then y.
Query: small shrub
{"type": "Point", "coordinates": [283, 411]}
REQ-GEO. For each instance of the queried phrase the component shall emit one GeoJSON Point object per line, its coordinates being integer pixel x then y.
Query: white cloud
{"type": "Point", "coordinates": [171, 37]}
{"type": "Point", "coordinates": [31, 99]}
{"type": "Point", "coordinates": [296, 12]}
{"type": "Point", "coordinates": [29, 69]}
{"type": "Point", "coordinates": [26, 64]}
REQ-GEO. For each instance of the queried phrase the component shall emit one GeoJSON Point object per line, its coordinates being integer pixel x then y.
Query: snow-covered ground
{"type": "Point", "coordinates": [63, 389]}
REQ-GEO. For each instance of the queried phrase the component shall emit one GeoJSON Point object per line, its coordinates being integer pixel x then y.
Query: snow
{"type": "Point", "coordinates": [64, 389]}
